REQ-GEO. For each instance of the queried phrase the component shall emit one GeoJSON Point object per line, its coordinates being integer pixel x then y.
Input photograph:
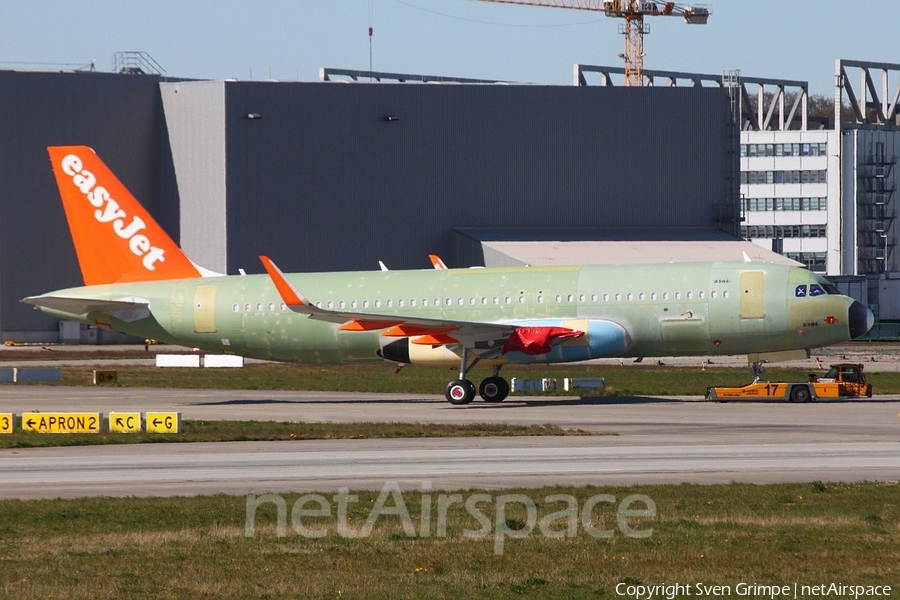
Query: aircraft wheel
{"type": "Point", "coordinates": [494, 389]}
{"type": "Point", "coordinates": [800, 393]}
{"type": "Point", "coordinates": [460, 391]}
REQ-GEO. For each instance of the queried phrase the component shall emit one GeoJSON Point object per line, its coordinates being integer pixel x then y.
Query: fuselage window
{"type": "Point", "coordinates": [247, 307]}
{"type": "Point", "coordinates": [342, 305]}
{"type": "Point", "coordinates": [399, 303]}
{"type": "Point", "coordinates": [702, 295]}
{"type": "Point", "coordinates": [496, 300]}
{"type": "Point", "coordinates": [725, 294]}
{"type": "Point", "coordinates": [353, 304]}
{"type": "Point", "coordinates": [271, 306]}
{"type": "Point", "coordinates": [558, 298]}
{"type": "Point", "coordinates": [521, 299]}
{"type": "Point", "coordinates": [581, 297]}
{"type": "Point", "coordinates": [665, 296]}
{"type": "Point", "coordinates": [365, 304]}
{"type": "Point", "coordinates": [540, 299]}
{"type": "Point", "coordinates": [507, 300]}
{"type": "Point", "coordinates": [606, 297]}
{"type": "Point", "coordinates": [678, 295]}
{"type": "Point", "coordinates": [424, 301]}
{"type": "Point", "coordinates": [690, 295]}
{"type": "Point", "coordinates": [437, 301]}
{"type": "Point", "coordinates": [283, 306]}
{"type": "Point", "coordinates": [236, 307]}
{"type": "Point", "coordinates": [641, 296]}
{"type": "Point", "coordinates": [378, 304]}
{"type": "Point", "coordinates": [389, 303]}
{"type": "Point", "coordinates": [653, 295]}
{"type": "Point", "coordinates": [484, 300]}
{"type": "Point", "coordinates": [412, 301]}
{"type": "Point", "coordinates": [472, 301]}
{"type": "Point", "coordinates": [629, 296]}
{"type": "Point", "coordinates": [618, 297]}
{"type": "Point", "coordinates": [593, 297]}
{"type": "Point", "coordinates": [459, 301]}
{"type": "Point", "coordinates": [569, 298]}
{"type": "Point", "coordinates": [448, 301]}
{"type": "Point", "coordinates": [712, 294]}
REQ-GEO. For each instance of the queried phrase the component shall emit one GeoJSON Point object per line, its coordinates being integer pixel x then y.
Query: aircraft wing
{"type": "Point", "coordinates": [488, 339]}
{"type": "Point", "coordinates": [126, 309]}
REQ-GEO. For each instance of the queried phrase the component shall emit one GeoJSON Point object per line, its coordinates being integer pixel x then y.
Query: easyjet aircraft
{"type": "Point", "coordinates": [138, 281]}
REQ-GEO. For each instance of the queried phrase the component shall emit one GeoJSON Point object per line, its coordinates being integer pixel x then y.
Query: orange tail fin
{"type": "Point", "coordinates": [116, 240]}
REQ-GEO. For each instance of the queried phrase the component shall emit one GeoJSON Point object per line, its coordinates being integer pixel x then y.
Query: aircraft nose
{"type": "Point", "coordinates": [861, 319]}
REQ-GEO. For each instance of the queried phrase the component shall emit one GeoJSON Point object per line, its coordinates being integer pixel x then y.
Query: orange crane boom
{"type": "Point", "coordinates": [633, 11]}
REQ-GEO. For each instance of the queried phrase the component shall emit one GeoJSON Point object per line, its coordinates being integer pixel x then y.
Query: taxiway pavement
{"type": "Point", "coordinates": [654, 440]}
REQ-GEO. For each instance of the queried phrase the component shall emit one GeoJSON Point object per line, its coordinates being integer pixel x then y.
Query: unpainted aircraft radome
{"type": "Point", "coordinates": [138, 281]}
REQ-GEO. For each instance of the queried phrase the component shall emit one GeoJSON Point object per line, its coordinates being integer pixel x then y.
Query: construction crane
{"type": "Point", "coordinates": [633, 11]}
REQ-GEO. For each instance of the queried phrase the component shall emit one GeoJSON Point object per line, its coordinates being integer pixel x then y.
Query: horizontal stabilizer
{"type": "Point", "coordinates": [126, 309]}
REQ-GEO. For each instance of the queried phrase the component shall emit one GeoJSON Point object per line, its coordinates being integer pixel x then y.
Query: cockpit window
{"type": "Point", "coordinates": [800, 292]}
{"type": "Point", "coordinates": [815, 289]}
{"type": "Point", "coordinates": [831, 289]}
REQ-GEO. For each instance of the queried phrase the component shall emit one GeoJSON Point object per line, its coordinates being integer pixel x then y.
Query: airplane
{"type": "Point", "coordinates": [138, 281]}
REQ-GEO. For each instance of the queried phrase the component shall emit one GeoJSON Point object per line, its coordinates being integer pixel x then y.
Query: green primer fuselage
{"type": "Point", "coordinates": [660, 310]}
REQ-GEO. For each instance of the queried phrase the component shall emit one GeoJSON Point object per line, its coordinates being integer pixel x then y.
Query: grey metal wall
{"type": "Point", "coordinates": [195, 118]}
{"type": "Point", "coordinates": [339, 176]}
{"type": "Point", "coordinates": [336, 176]}
{"type": "Point", "coordinates": [121, 117]}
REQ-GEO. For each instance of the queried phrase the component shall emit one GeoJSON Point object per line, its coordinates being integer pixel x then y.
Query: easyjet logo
{"type": "Point", "coordinates": [109, 211]}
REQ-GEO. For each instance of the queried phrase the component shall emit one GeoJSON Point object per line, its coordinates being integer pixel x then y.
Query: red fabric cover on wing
{"type": "Point", "coordinates": [537, 340]}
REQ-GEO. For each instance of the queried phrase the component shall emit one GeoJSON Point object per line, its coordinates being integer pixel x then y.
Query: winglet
{"type": "Point", "coordinates": [291, 296]}
{"type": "Point", "coordinates": [437, 263]}
{"type": "Point", "coordinates": [115, 238]}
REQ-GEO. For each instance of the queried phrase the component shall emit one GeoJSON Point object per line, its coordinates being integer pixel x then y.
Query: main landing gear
{"type": "Point", "coordinates": [462, 391]}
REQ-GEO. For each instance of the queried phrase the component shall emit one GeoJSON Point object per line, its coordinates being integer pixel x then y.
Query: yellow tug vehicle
{"type": "Point", "coordinates": [844, 380]}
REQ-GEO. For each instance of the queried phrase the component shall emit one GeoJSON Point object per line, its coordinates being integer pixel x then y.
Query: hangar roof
{"type": "Point", "coordinates": [546, 247]}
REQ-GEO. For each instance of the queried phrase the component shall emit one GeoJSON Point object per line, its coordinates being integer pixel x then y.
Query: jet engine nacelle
{"type": "Point", "coordinates": [600, 339]}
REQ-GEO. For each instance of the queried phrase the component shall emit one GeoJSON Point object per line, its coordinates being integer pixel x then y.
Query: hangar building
{"type": "Point", "coordinates": [330, 175]}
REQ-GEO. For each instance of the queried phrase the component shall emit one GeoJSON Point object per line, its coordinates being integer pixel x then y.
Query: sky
{"type": "Point", "coordinates": [291, 39]}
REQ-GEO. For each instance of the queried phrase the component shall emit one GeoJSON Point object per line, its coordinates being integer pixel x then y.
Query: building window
{"type": "Point", "coordinates": [783, 231]}
{"type": "Point", "coordinates": [814, 261]}
{"type": "Point", "coordinates": [755, 177]}
{"type": "Point", "coordinates": [813, 149]}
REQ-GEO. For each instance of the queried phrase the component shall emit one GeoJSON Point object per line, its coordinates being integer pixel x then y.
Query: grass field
{"type": "Point", "coordinates": [649, 380]}
{"type": "Point", "coordinates": [270, 431]}
{"type": "Point", "coordinates": [194, 548]}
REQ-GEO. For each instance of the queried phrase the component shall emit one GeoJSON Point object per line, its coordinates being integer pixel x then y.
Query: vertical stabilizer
{"type": "Point", "coordinates": [116, 240]}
